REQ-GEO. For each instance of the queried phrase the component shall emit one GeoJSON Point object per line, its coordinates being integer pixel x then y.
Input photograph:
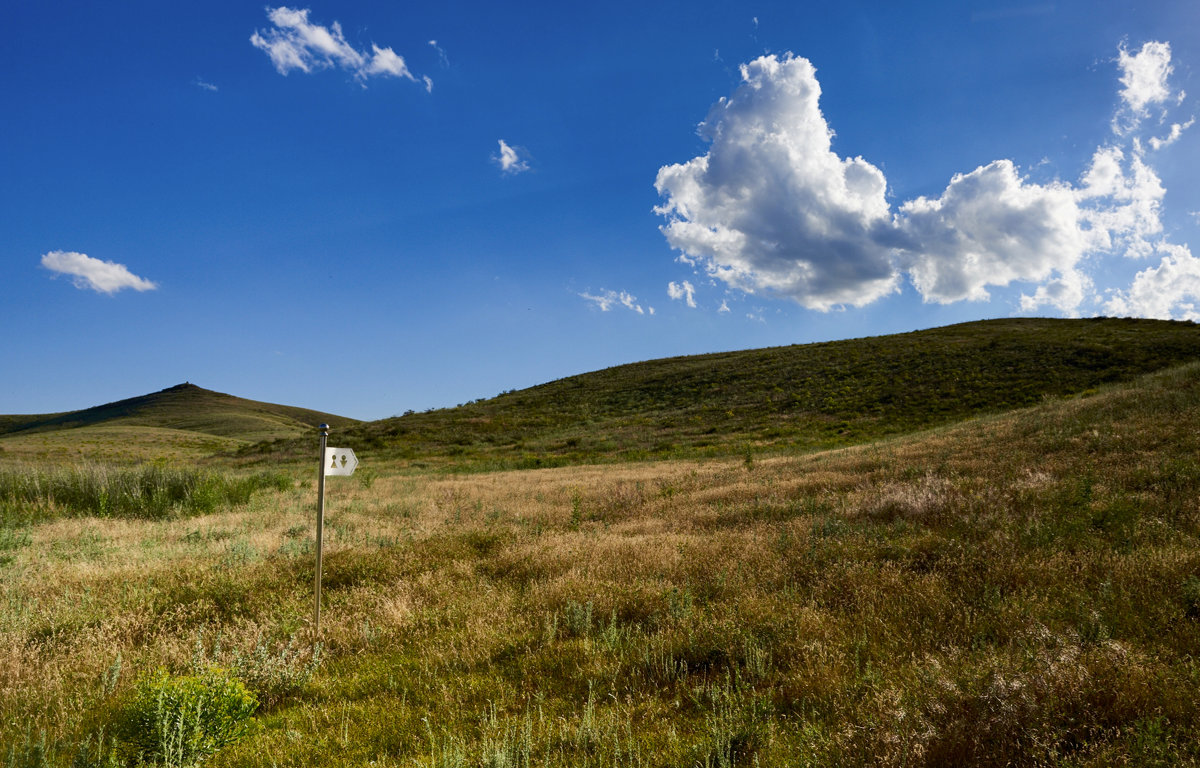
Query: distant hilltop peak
{"type": "Point", "coordinates": [186, 407]}
{"type": "Point", "coordinates": [184, 387]}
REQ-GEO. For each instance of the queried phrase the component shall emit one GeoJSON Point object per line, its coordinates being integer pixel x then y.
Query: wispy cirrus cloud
{"type": "Point", "coordinates": [89, 273]}
{"type": "Point", "coordinates": [606, 300]}
{"type": "Point", "coordinates": [771, 207]}
{"type": "Point", "coordinates": [295, 43]}
{"type": "Point", "coordinates": [443, 59]}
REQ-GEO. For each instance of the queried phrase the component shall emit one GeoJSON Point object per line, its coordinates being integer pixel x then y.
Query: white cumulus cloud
{"type": "Point", "coordinates": [100, 276]}
{"type": "Point", "coordinates": [295, 43]}
{"type": "Point", "coordinates": [509, 159]}
{"type": "Point", "coordinates": [1122, 197]}
{"type": "Point", "coordinates": [684, 290]}
{"type": "Point", "coordinates": [1169, 290]}
{"type": "Point", "coordinates": [1144, 77]}
{"type": "Point", "coordinates": [989, 227]}
{"type": "Point", "coordinates": [772, 208]}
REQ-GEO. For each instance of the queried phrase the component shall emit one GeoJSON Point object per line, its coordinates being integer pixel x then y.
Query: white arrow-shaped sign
{"type": "Point", "coordinates": [340, 461]}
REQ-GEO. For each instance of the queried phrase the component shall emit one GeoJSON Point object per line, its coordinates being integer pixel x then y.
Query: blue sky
{"type": "Point", "coordinates": [365, 208]}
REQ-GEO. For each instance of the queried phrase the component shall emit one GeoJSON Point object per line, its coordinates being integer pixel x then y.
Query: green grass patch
{"type": "Point", "coordinates": [150, 492]}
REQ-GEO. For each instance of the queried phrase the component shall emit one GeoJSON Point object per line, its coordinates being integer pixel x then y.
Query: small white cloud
{"type": "Point", "coordinates": [606, 300]}
{"type": "Point", "coordinates": [1144, 78]}
{"type": "Point", "coordinates": [295, 43]}
{"type": "Point", "coordinates": [1169, 291]}
{"type": "Point", "coordinates": [199, 83]}
{"type": "Point", "coordinates": [1177, 130]}
{"type": "Point", "coordinates": [385, 61]}
{"type": "Point", "coordinates": [509, 159]}
{"type": "Point", "coordinates": [100, 276]}
{"type": "Point", "coordinates": [684, 290]}
{"type": "Point", "coordinates": [724, 306]}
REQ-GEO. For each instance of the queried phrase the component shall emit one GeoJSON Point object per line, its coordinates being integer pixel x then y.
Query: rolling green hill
{"type": "Point", "coordinates": [799, 397]}
{"type": "Point", "coordinates": [195, 418]}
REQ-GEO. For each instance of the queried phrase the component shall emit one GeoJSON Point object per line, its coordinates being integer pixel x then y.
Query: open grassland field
{"type": "Point", "coordinates": [805, 397]}
{"type": "Point", "coordinates": [1017, 589]}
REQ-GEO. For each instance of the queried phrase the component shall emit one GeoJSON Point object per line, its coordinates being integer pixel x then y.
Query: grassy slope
{"type": "Point", "coordinates": [202, 419]}
{"type": "Point", "coordinates": [107, 444]}
{"type": "Point", "coordinates": [1021, 589]}
{"type": "Point", "coordinates": [800, 397]}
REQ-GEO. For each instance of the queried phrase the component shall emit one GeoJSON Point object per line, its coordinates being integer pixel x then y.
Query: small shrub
{"type": "Point", "coordinates": [182, 720]}
{"type": "Point", "coordinates": [366, 478]}
{"type": "Point", "coordinates": [578, 618]}
{"type": "Point", "coordinates": [275, 674]}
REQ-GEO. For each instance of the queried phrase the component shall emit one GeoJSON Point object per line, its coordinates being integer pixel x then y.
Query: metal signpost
{"type": "Point", "coordinates": [334, 461]}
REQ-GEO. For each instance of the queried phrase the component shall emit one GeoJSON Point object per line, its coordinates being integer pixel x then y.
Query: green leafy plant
{"type": "Point", "coordinates": [182, 720]}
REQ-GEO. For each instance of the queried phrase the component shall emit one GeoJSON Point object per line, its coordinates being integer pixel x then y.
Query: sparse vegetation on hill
{"type": "Point", "coordinates": [185, 421]}
{"type": "Point", "coordinates": [184, 407]}
{"type": "Point", "coordinates": [802, 397]}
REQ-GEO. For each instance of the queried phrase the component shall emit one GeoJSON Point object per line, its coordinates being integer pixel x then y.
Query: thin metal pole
{"type": "Point", "coordinates": [320, 532]}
